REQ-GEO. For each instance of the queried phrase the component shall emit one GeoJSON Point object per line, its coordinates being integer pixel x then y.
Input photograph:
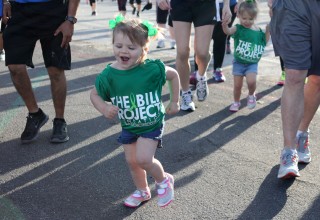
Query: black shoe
{"type": "Point", "coordinates": [134, 10]}
{"type": "Point", "coordinates": [94, 13]}
{"type": "Point", "coordinates": [34, 123]}
{"type": "Point", "coordinates": [138, 14]}
{"type": "Point", "coordinates": [59, 132]}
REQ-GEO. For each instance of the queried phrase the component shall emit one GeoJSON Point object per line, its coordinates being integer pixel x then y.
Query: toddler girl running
{"type": "Point", "coordinates": [249, 44]}
{"type": "Point", "coordinates": [131, 88]}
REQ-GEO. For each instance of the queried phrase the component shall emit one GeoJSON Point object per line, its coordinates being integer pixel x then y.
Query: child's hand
{"type": "Point", "coordinates": [267, 28]}
{"type": "Point", "coordinates": [173, 108]}
{"type": "Point", "coordinates": [110, 111]}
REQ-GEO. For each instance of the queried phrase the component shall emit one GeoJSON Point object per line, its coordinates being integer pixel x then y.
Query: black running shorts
{"type": "Point", "coordinates": [198, 12]}
{"type": "Point", "coordinates": [31, 22]}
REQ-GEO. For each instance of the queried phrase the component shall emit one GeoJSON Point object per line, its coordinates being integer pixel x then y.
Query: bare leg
{"type": "Point", "coordinates": [251, 82]}
{"type": "Point", "coordinates": [146, 149]}
{"type": "Point", "coordinates": [203, 35]}
{"type": "Point", "coordinates": [58, 90]}
{"type": "Point", "coordinates": [22, 83]}
{"type": "Point", "coordinates": [237, 86]}
{"type": "Point", "coordinates": [138, 174]}
{"type": "Point", "coordinates": [292, 105]}
{"type": "Point", "coordinates": [182, 31]}
{"type": "Point", "coordinates": [311, 101]}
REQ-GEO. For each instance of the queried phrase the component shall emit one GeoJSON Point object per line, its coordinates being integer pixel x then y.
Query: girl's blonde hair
{"type": "Point", "coordinates": [249, 6]}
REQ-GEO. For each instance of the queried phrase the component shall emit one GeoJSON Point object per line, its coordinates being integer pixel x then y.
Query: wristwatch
{"type": "Point", "coordinates": [71, 19]}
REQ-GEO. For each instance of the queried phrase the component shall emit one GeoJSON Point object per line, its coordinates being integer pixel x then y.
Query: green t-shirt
{"type": "Point", "coordinates": [249, 45]}
{"type": "Point", "coordinates": [137, 93]}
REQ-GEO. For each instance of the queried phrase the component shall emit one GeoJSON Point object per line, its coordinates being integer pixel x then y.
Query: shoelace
{"type": "Point", "coordinates": [288, 159]}
{"type": "Point", "coordinates": [201, 85]}
{"type": "Point", "coordinates": [31, 124]}
{"type": "Point", "coordinates": [186, 98]}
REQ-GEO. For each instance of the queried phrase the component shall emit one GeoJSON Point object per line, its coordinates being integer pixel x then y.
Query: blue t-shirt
{"type": "Point", "coordinates": [31, 1]}
{"type": "Point", "coordinates": [1, 8]}
{"type": "Point", "coordinates": [232, 3]}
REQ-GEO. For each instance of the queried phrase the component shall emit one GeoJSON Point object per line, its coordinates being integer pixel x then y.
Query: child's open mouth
{"type": "Point", "coordinates": [124, 59]}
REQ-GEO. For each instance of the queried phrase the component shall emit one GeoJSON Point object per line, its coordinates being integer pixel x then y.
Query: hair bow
{"type": "Point", "coordinates": [113, 23]}
{"type": "Point", "coordinates": [152, 31]}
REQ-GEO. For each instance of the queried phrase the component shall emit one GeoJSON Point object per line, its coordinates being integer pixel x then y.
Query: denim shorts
{"type": "Point", "coordinates": [127, 137]}
{"type": "Point", "coordinates": [240, 69]}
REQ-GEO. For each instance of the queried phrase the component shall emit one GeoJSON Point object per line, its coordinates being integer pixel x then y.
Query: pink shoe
{"type": "Point", "coordinates": [165, 191]}
{"type": "Point", "coordinates": [234, 107]}
{"type": "Point", "coordinates": [136, 198]}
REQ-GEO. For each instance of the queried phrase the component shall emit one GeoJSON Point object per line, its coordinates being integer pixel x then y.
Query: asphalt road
{"type": "Point", "coordinates": [225, 164]}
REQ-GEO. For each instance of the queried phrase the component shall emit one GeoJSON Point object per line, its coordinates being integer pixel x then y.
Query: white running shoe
{"type": "Point", "coordinates": [202, 89]}
{"type": "Point", "coordinates": [161, 44]}
{"type": "Point", "coordinates": [186, 102]}
{"type": "Point", "coordinates": [288, 164]}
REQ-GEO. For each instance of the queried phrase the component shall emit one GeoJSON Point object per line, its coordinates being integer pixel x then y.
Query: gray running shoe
{"type": "Point", "coordinates": [165, 191]}
{"type": "Point", "coordinates": [202, 89]}
{"type": "Point", "coordinates": [59, 132]}
{"type": "Point", "coordinates": [303, 148]}
{"type": "Point", "coordinates": [288, 165]}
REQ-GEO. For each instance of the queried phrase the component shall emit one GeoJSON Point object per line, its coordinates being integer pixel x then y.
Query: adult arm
{"type": "Point", "coordinates": [6, 11]}
{"type": "Point", "coordinates": [164, 4]}
{"type": "Point", "coordinates": [67, 28]}
{"type": "Point", "coordinates": [226, 13]}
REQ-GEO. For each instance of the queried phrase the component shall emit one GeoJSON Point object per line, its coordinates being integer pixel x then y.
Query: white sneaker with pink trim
{"type": "Point", "coordinates": [136, 198]}
{"type": "Point", "coordinates": [165, 191]}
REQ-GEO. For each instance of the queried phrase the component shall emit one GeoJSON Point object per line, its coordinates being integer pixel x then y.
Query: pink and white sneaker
{"type": "Point", "coordinates": [136, 198]}
{"type": "Point", "coordinates": [165, 191]}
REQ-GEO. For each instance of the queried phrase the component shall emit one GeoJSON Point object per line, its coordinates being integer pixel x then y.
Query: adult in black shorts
{"type": "Point", "coordinates": [93, 5]}
{"type": "Point", "coordinates": [122, 6]}
{"type": "Point", "coordinates": [163, 16]}
{"type": "Point", "coordinates": [202, 13]}
{"type": "Point", "coordinates": [52, 23]}
{"type": "Point", "coordinates": [138, 8]}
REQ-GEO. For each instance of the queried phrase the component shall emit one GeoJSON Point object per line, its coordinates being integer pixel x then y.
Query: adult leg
{"type": "Point", "coordinates": [311, 101]}
{"type": "Point", "coordinates": [58, 90]}
{"type": "Point", "coordinates": [182, 31]}
{"type": "Point", "coordinates": [138, 8]}
{"type": "Point", "coordinates": [292, 105]}
{"type": "Point", "coordinates": [22, 83]}
{"type": "Point", "coordinates": [202, 43]}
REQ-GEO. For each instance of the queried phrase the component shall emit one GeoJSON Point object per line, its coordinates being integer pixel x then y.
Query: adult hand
{"type": "Point", "coordinates": [6, 12]}
{"type": "Point", "coordinates": [164, 4]}
{"type": "Point", "coordinates": [226, 14]}
{"type": "Point", "coordinates": [270, 2]}
{"type": "Point", "coordinates": [66, 28]}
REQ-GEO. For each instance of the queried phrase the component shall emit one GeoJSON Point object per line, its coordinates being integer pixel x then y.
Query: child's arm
{"type": "Point", "coordinates": [267, 33]}
{"type": "Point", "coordinates": [174, 87]}
{"type": "Point", "coordinates": [228, 30]}
{"type": "Point", "coordinates": [106, 109]}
